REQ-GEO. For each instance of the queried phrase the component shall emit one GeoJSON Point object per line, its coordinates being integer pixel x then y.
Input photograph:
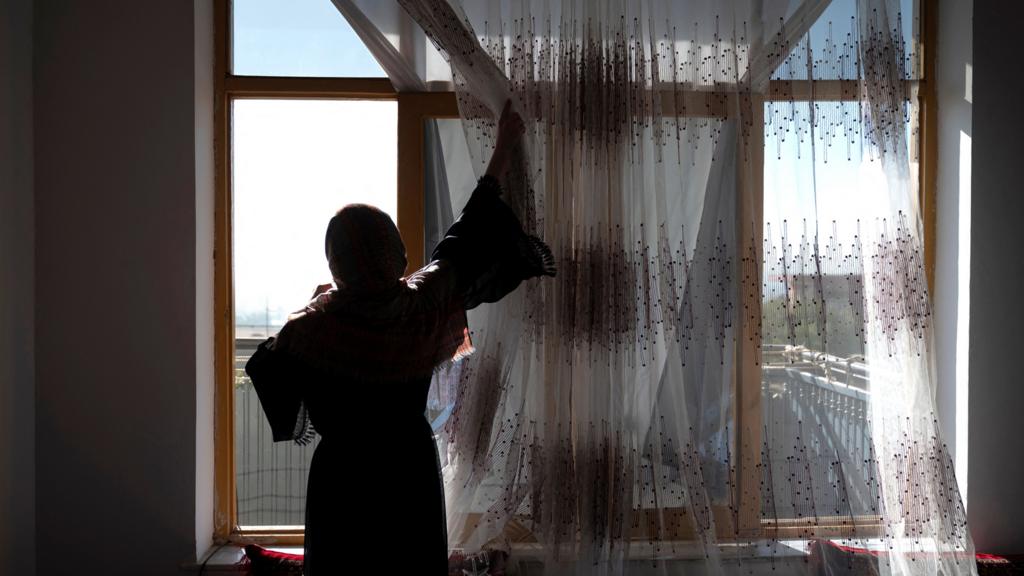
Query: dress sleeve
{"type": "Point", "coordinates": [278, 379]}
{"type": "Point", "coordinates": [488, 253]}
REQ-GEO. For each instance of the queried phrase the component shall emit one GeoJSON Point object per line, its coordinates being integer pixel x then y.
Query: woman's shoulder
{"type": "Point", "coordinates": [425, 274]}
{"type": "Point", "coordinates": [434, 285]}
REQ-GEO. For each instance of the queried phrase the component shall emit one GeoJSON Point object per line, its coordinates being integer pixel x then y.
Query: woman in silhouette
{"type": "Point", "coordinates": [355, 366]}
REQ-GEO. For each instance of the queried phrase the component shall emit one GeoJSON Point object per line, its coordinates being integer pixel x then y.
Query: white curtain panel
{"type": "Point", "coordinates": [733, 366]}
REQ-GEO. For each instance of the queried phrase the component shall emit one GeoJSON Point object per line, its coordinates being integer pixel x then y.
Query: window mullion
{"type": "Point", "coordinates": [747, 405]}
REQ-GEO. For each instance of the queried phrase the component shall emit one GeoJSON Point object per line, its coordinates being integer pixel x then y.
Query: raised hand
{"type": "Point", "coordinates": [321, 289]}
{"type": "Point", "coordinates": [510, 132]}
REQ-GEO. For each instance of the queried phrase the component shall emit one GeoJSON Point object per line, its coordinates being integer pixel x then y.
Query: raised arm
{"type": "Point", "coordinates": [486, 250]}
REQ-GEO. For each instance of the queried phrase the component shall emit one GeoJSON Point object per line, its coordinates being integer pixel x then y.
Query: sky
{"type": "Point", "coordinates": [831, 182]}
{"type": "Point", "coordinates": [296, 162]}
{"type": "Point", "coordinates": [297, 38]}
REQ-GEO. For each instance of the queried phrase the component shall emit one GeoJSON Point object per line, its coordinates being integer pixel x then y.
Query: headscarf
{"type": "Point", "coordinates": [364, 249]}
{"type": "Point", "coordinates": [377, 326]}
{"type": "Point", "coordinates": [380, 327]}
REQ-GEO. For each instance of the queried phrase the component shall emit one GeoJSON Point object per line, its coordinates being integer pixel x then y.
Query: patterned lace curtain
{"type": "Point", "coordinates": [732, 371]}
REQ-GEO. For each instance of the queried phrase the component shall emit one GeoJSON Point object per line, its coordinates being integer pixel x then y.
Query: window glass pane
{"type": "Point", "coordinates": [457, 161]}
{"type": "Point", "coordinates": [825, 197]}
{"type": "Point", "coordinates": [296, 38]}
{"type": "Point", "coordinates": [448, 181]}
{"type": "Point", "coordinates": [833, 53]}
{"type": "Point", "coordinates": [294, 163]}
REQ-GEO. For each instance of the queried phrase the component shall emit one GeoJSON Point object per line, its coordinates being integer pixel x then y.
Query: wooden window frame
{"type": "Point", "coordinates": [747, 383]}
{"type": "Point", "coordinates": [416, 107]}
{"type": "Point", "coordinates": [413, 109]}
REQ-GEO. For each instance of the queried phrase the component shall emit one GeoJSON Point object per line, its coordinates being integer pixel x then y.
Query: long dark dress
{"type": "Point", "coordinates": [375, 496]}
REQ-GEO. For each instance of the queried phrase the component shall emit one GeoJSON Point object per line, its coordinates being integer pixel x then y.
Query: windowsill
{"type": "Point", "coordinates": [227, 559]}
{"type": "Point", "coordinates": [690, 550]}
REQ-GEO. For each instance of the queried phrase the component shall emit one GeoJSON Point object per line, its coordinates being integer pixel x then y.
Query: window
{"type": "Point", "coordinates": [306, 121]}
{"type": "Point", "coordinates": [812, 374]}
{"type": "Point", "coordinates": [293, 163]}
{"type": "Point", "coordinates": [301, 38]}
{"type": "Point", "coordinates": [279, 66]}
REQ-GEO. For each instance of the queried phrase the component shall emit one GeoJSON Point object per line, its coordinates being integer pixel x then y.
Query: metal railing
{"type": "Point", "coordinates": [815, 415]}
{"type": "Point", "coordinates": [270, 477]}
{"type": "Point", "coordinates": [817, 435]}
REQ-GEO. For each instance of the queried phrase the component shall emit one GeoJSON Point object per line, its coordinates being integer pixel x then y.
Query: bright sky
{"type": "Point", "coordinates": [821, 183]}
{"type": "Point", "coordinates": [826, 183]}
{"type": "Point", "coordinates": [297, 38]}
{"type": "Point", "coordinates": [296, 162]}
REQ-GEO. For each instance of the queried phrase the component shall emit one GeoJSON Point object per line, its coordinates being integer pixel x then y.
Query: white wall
{"type": "Point", "coordinates": [952, 263]}
{"type": "Point", "coordinates": [204, 275]}
{"type": "Point", "coordinates": [17, 403]}
{"type": "Point", "coordinates": [116, 264]}
{"type": "Point", "coordinates": [996, 426]}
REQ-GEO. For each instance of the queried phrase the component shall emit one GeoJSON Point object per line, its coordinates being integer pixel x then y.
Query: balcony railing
{"type": "Point", "coordinates": [270, 478]}
{"type": "Point", "coordinates": [815, 416]}
{"type": "Point", "coordinates": [817, 443]}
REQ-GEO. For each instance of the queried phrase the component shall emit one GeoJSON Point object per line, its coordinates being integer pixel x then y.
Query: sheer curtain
{"type": "Point", "coordinates": [732, 371]}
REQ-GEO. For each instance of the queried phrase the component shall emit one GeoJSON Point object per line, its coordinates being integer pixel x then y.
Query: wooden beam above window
{"type": "Point", "coordinates": [280, 87]}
